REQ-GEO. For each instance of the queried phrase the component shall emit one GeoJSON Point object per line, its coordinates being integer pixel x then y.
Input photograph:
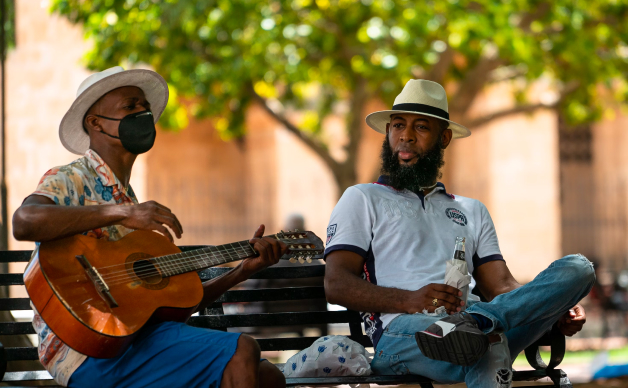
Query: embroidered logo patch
{"type": "Point", "coordinates": [456, 216]}
{"type": "Point", "coordinates": [331, 232]}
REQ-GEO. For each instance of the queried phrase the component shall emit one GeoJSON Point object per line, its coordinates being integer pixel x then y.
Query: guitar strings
{"type": "Point", "coordinates": [150, 270]}
{"type": "Point", "coordinates": [202, 253]}
{"type": "Point", "coordinates": [123, 277]}
{"type": "Point", "coordinates": [188, 254]}
{"type": "Point", "coordinates": [219, 247]}
{"type": "Point", "coordinates": [206, 257]}
{"type": "Point", "coordinates": [175, 264]}
{"type": "Point", "coordinates": [209, 247]}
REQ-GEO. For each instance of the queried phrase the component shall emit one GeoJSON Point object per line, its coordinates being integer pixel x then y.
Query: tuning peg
{"type": "Point", "coordinates": [301, 260]}
{"type": "Point", "coordinates": [308, 259]}
{"type": "Point", "coordinates": [300, 246]}
{"type": "Point", "coordinates": [292, 260]}
{"type": "Point", "coordinates": [292, 247]}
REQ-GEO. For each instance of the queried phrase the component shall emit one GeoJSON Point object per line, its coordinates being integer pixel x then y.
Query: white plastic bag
{"type": "Point", "coordinates": [332, 355]}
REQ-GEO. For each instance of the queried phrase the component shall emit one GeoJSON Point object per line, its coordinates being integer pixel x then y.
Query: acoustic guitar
{"type": "Point", "coordinates": [95, 295]}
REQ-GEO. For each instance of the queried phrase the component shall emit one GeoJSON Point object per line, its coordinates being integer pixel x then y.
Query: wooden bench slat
{"type": "Point", "coordinates": [271, 295]}
{"type": "Point", "coordinates": [293, 272]}
{"type": "Point", "coordinates": [15, 256]}
{"type": "Point", "coordinates": [272, 319]}
{"type": "Point", "coordinates": [11, 279]}
{"type": "Point", "coordinates": [15, 304]}
{"type": "Point", "coordinates": [11, 328]}
{"type": "Point", "coordinates": [236, 296]}
{"type": "Point", "coordinates": [22, 354]}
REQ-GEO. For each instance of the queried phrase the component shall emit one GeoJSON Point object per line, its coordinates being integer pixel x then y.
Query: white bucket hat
{"type": "Point", "coordinates": [419, 96]}
{"type": "Point", "coordinates": [155, 88]}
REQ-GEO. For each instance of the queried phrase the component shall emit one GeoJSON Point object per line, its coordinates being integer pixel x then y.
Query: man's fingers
{"type": "Point", "coordinates": [271, 250]}
{"type": "Point", "coordinates": [441, 296]}
{"type": "Point", "coordinates": [445, 288]}
{"type": "Point", "coordinates": [164, 231]}
{"type": "Point", "coordinates": [448, 306]}
{"type": "Point", "coordinates": [160, 206]}
{"type": "Point", "coordinates": [276, 249]}
{"type": "Point", "coordinates": [171, 223]}
{"type": "Point", "coordinates": [167, 213]}
{"type": "Point", "coordinates": [259, 233]}
{"type": "Point", "coordinates": [262, 247]}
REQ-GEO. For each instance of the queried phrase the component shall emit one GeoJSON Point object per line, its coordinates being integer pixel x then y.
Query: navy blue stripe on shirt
{"type": "Point", "coordinates": [346, 247]}
{"type": "Point", "coordinates": [477, 261]}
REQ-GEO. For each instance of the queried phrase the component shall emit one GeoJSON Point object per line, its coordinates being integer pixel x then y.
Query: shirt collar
{"type": "Point", "coordinates": [384, 180]}
{"type": "Point", "coordinates": [104, 172]}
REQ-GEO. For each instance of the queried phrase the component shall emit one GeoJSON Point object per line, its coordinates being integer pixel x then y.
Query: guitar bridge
{"type": "Point", "coordinates": [99, 283]}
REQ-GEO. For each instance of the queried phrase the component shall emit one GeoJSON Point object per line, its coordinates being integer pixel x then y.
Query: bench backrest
{"type": "Point", "coordinates": [214, 316]}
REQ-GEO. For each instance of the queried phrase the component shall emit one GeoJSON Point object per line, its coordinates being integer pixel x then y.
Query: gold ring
{"type": "Point", "coordinates": [435, 302]}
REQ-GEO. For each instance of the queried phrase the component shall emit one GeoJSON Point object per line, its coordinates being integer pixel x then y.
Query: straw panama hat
{"type": "Point", "coordinates": [155, 88]}
{"type": "Point", "coordinates": [419, 96]}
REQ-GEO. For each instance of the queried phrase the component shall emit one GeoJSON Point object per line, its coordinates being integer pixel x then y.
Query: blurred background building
{"type": "Point", "coordinates": [550, 189]}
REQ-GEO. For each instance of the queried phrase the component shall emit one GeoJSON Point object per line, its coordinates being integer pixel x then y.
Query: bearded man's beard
{"type": "Point", "coordinates": [424, 173]}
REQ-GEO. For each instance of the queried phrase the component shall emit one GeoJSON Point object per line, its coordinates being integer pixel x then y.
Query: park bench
{"type": "Point", "coordinates": [215, 318]}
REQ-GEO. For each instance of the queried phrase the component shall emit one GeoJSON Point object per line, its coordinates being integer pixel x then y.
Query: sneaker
{"type": "Point", "coordinates": [455, 339]}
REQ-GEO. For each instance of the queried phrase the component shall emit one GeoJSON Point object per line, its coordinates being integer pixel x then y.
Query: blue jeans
{"type": "Point", "coordinates": [520, 317]}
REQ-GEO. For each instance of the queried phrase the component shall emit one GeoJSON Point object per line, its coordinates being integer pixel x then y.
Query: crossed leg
{"type": "Point", "coordinates": [524, 315]}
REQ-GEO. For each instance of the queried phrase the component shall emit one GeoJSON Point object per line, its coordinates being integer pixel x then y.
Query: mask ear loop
{"type": "Point", "coordinates": [112, 119]}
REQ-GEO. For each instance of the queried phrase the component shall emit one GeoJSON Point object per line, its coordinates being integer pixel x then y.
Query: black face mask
{"type": "Point", "coordinates": [137, 131]}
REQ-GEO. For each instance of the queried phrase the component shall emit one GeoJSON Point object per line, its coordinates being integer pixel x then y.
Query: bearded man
{"type": "Point", "coordinates": [387, 247]}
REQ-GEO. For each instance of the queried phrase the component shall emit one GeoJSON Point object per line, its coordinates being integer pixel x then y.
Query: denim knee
{"type": "Point", "coordinates": [579, 267]}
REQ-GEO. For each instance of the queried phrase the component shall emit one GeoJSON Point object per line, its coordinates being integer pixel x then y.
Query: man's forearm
{"type": "Point", "coordinates": [214, 288]}
{"type": "Point", "coordinates": [357, 294]}
{"type": "Point", "coordinates": [33, 222]}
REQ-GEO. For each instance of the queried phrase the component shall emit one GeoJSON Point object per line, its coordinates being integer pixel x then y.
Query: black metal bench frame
{"type": "Point", "coordinates": [214, 318]}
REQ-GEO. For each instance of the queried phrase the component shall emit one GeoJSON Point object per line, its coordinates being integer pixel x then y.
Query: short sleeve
{"type": "Point", "coordinates": [488, 245]}
{"type": "Point", "coordinates": [350, 225]}
{"type": "Point", "coordinates": [58, 186]}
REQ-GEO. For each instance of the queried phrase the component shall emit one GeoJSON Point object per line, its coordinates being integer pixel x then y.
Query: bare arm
{"type": "Point", "coordinates": [270, 251]}
{"type": "Point", "coordinates": [345, 286]}
{"type": "Point", "coordinates": [494, 278]}
{"type": "Point", "coordinates": [40, 219]}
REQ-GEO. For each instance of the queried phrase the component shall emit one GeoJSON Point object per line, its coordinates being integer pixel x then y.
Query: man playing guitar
{"type": "Point", "coordinates": [111, 122]}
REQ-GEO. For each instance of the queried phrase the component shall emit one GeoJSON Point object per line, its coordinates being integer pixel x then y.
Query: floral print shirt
{"type": "Point", "coordinates": [87, 181]}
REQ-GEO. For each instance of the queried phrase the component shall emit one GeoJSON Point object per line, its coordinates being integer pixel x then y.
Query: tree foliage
{"type": "Point", "coordinates": [318, 57]}
{"type": "Point", "coordinates": [9, 24]}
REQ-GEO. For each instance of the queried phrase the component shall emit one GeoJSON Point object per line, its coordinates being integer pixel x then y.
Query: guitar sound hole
{"type": "Point", "coordinates": [146, 270]}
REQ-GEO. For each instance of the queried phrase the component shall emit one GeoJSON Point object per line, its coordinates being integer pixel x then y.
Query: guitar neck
{"type": "Point", "coordinates": [196, 260]}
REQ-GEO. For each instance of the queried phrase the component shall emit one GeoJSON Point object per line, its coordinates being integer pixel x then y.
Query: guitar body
{"type": "Point", "coordinates": [68, 300]}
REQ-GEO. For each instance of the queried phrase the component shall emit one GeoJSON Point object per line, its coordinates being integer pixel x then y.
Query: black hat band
{"type": "Point", "coordinates": [422, 108]}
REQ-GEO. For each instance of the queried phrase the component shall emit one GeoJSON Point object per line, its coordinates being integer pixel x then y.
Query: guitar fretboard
{"type": "Point", "coordinates": [199, 259]}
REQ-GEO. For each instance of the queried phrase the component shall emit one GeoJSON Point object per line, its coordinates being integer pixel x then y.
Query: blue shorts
{"type": "Point", "coordinates": [170, 354]}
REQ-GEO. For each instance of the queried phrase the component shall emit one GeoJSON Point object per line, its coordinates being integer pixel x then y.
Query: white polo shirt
{"type": "Point", "coordinates": [406, 238]}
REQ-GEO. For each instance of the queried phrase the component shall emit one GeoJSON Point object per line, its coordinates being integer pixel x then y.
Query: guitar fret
{"type": "Point", "coordinates": [245, 247]}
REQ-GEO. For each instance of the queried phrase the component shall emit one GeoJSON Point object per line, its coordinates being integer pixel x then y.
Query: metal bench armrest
{"type": "Point", "coordinates": [556, 340]}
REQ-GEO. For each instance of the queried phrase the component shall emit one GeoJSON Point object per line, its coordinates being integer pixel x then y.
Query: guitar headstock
{"type": "Point", "coordinates": [302, 246]}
